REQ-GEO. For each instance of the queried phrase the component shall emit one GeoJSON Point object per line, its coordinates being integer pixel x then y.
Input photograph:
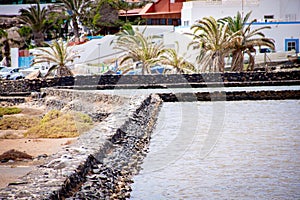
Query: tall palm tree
{"type": "Point", "coordinates": [7, 41]}
{"type": "Point", "coordinates": [76, 9]}
{"type": "Point", "coordinates": [59, 54]}
{"type": "Point", "coordinates": [214, 40]}
{"type": "Point", "coordinates": [35, 18]}
{"type": "Point", "coordinates": [5, 45]}
{"type": "Point", "coordinates": [139, 48]}
{"type": "Point", "coordinates": [245, 40]}
{"type": "Point", "coordinates": [179, 63]}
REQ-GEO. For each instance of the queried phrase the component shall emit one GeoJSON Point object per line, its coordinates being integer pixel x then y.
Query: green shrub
{"type": "Point", "coordinates": [56, 124]}
{"type": "Point", "coordinates": [9, 111]}
{"type": "Point", "coordinates": [52, 114]}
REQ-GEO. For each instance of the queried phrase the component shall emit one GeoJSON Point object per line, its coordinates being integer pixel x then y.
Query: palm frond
{"type": "Point", "coordinates": [60, 54]}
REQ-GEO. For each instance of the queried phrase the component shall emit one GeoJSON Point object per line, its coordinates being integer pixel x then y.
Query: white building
{"type": "Point", "coordinates": [282, 15]}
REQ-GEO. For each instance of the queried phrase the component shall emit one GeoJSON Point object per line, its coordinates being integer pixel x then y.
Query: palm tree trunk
{"type": "Point", "coordinates": [251, 61]}
{"type": "Point", "coordinates": [6, 53]}
{"type": "Point", "coordinates": [218, 62]}
{"type": "Point", "coordinates": [38, 38]}
{"type": "Point", "coordinates": [144, 70]}
{"type": "Point", "coordinates": [237, 61]}
{"type": "Point", "coordinates": [64, 71]}
{"type": "Point", "coordinates": [75, 28]}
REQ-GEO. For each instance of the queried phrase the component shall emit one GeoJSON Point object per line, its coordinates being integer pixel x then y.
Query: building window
{"type": "Point", "coordinates": [186, 23]}
{"type": "Point", "coordinates": [292, 44]}
{"type": "Point", "coordinates": [163, 21]}
{"type": "Point", "coordinates": [149, 21]}
{"type": "Point", "coordinates": [268, 18]}
{"type": "Point", "coordinates": [155, 21]}
{"type": "Point", "coordinates": [290, 17]}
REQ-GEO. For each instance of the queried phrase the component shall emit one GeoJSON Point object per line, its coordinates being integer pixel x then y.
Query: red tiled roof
{"type": "Point", "coordinates": [161, 13]}
{"type": "Point", "coordinates": [146, 8]}
{"type": "Point", "coordinates": [153, 9]}
{"type": "Point", "coordinates": [130, 12]}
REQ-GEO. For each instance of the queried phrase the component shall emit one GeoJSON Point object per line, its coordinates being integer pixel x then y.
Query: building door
{"type": "Point", "coordinates": [292, 44]}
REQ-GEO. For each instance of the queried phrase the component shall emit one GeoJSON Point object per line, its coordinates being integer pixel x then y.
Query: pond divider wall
{"type": "Point", "coordinates": [121, 138]}
{"type": "Point", "coordinates": [228, 79]}
{"type": "Point", "coordinates": [230, 95]}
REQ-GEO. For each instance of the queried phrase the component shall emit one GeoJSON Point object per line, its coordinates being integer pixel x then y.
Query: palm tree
{"type": "Point", "coordinates": [214, 41]}
{"type": "Point", "coordinates": [138, 48]}
{"type": "Point", "coordinates": [106, 17]}
{"type": "Point", "coordinates": [245, 40]}
{"type": "Point", "coordinates": [60, 55]}
{"type": "Point", "coordinates": [7, 40]}
{"type": "Point", "coordinates": [6, 49]}
{"type": "Point", "coordinates": [25, 34]}
{"type": "Point", "coordinates": [35, 18]}
{"type": "Point", "coordinates": [76, 9]}
{"type": "Point", "coordinates": [179, 63]}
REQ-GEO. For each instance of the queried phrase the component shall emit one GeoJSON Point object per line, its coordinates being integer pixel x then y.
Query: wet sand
{"type": "Point", "coordinates": [10, 171]}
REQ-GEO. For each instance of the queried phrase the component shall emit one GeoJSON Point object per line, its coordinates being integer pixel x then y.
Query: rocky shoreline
{"type": "Point", "coordinates": [110, 152]}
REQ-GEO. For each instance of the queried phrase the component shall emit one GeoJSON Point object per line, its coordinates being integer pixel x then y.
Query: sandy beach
{"type": "Point", "coordinates": [14, 139]}
{"type": "Point", "coordinates": [10, 171]}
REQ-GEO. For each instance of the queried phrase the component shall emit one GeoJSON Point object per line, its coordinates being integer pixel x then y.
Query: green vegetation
{"type": "Point", "coordinates": [60, 54]}
{"type": "Point", "coordinates": [6, 42]}
{"type": "Point", "coordinates": [224, 37]}
{"type": "Point", "coordinates": [139, 48]}
{"type": "Point", "coordinates": [56, 124]}
{"type": "Point", "coordinates": [171, 57]}
{"type": "Point", "coordinates": [9, 111]}
{"type": "Point", "coordinates": [77, 9]}
{"type": "Point", "coordinates": [35, 17]}
{"type": "Point", "coordinates": [245, 40]}
{"type": "Point", "coordinates": [25, 33]}
{"type": "Point", "coordinates": [18, 123]}
{"type": "Point", "coordinates": [215, 39]}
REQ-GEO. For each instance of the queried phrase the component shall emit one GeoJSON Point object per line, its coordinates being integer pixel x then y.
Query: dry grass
{"type": "Point", "coordinates": [18, 123]}
{"type": "Point", "coordinates": [56, 124]}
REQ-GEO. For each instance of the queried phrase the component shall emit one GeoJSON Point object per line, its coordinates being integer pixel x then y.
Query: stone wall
{"type": "Point", "coordinates": [93, 103]}
{"type": "Point", "coordinates": [26, 86]}
{"type": "Point", "coordinates": [103, 160]}
{"type": "Point", "coordinates": [230, 96]}
{"type": "Point", "coordinates": [151, 81]}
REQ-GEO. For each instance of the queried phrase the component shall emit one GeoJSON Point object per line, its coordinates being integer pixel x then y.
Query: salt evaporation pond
{"type": "Point", "coordinates": [223, 150]}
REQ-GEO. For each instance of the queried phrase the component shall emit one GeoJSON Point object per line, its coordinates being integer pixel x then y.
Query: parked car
{"type": "Point", "coordinates": [10, 73]}
{"type": "Point", "coordinates": [2, 66]}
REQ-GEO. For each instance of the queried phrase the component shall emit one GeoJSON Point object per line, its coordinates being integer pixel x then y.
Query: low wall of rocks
{"type": "Point", "coordinates": [96, 105]}
{"type": "Point", "coordinates": [21, 87]}
{"type": "Point", "coordinates": [11, 101]}
{"type": "Point", "coordinates": [101, 163]}
{"type": "Point", "coordinates": [230, 96]}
